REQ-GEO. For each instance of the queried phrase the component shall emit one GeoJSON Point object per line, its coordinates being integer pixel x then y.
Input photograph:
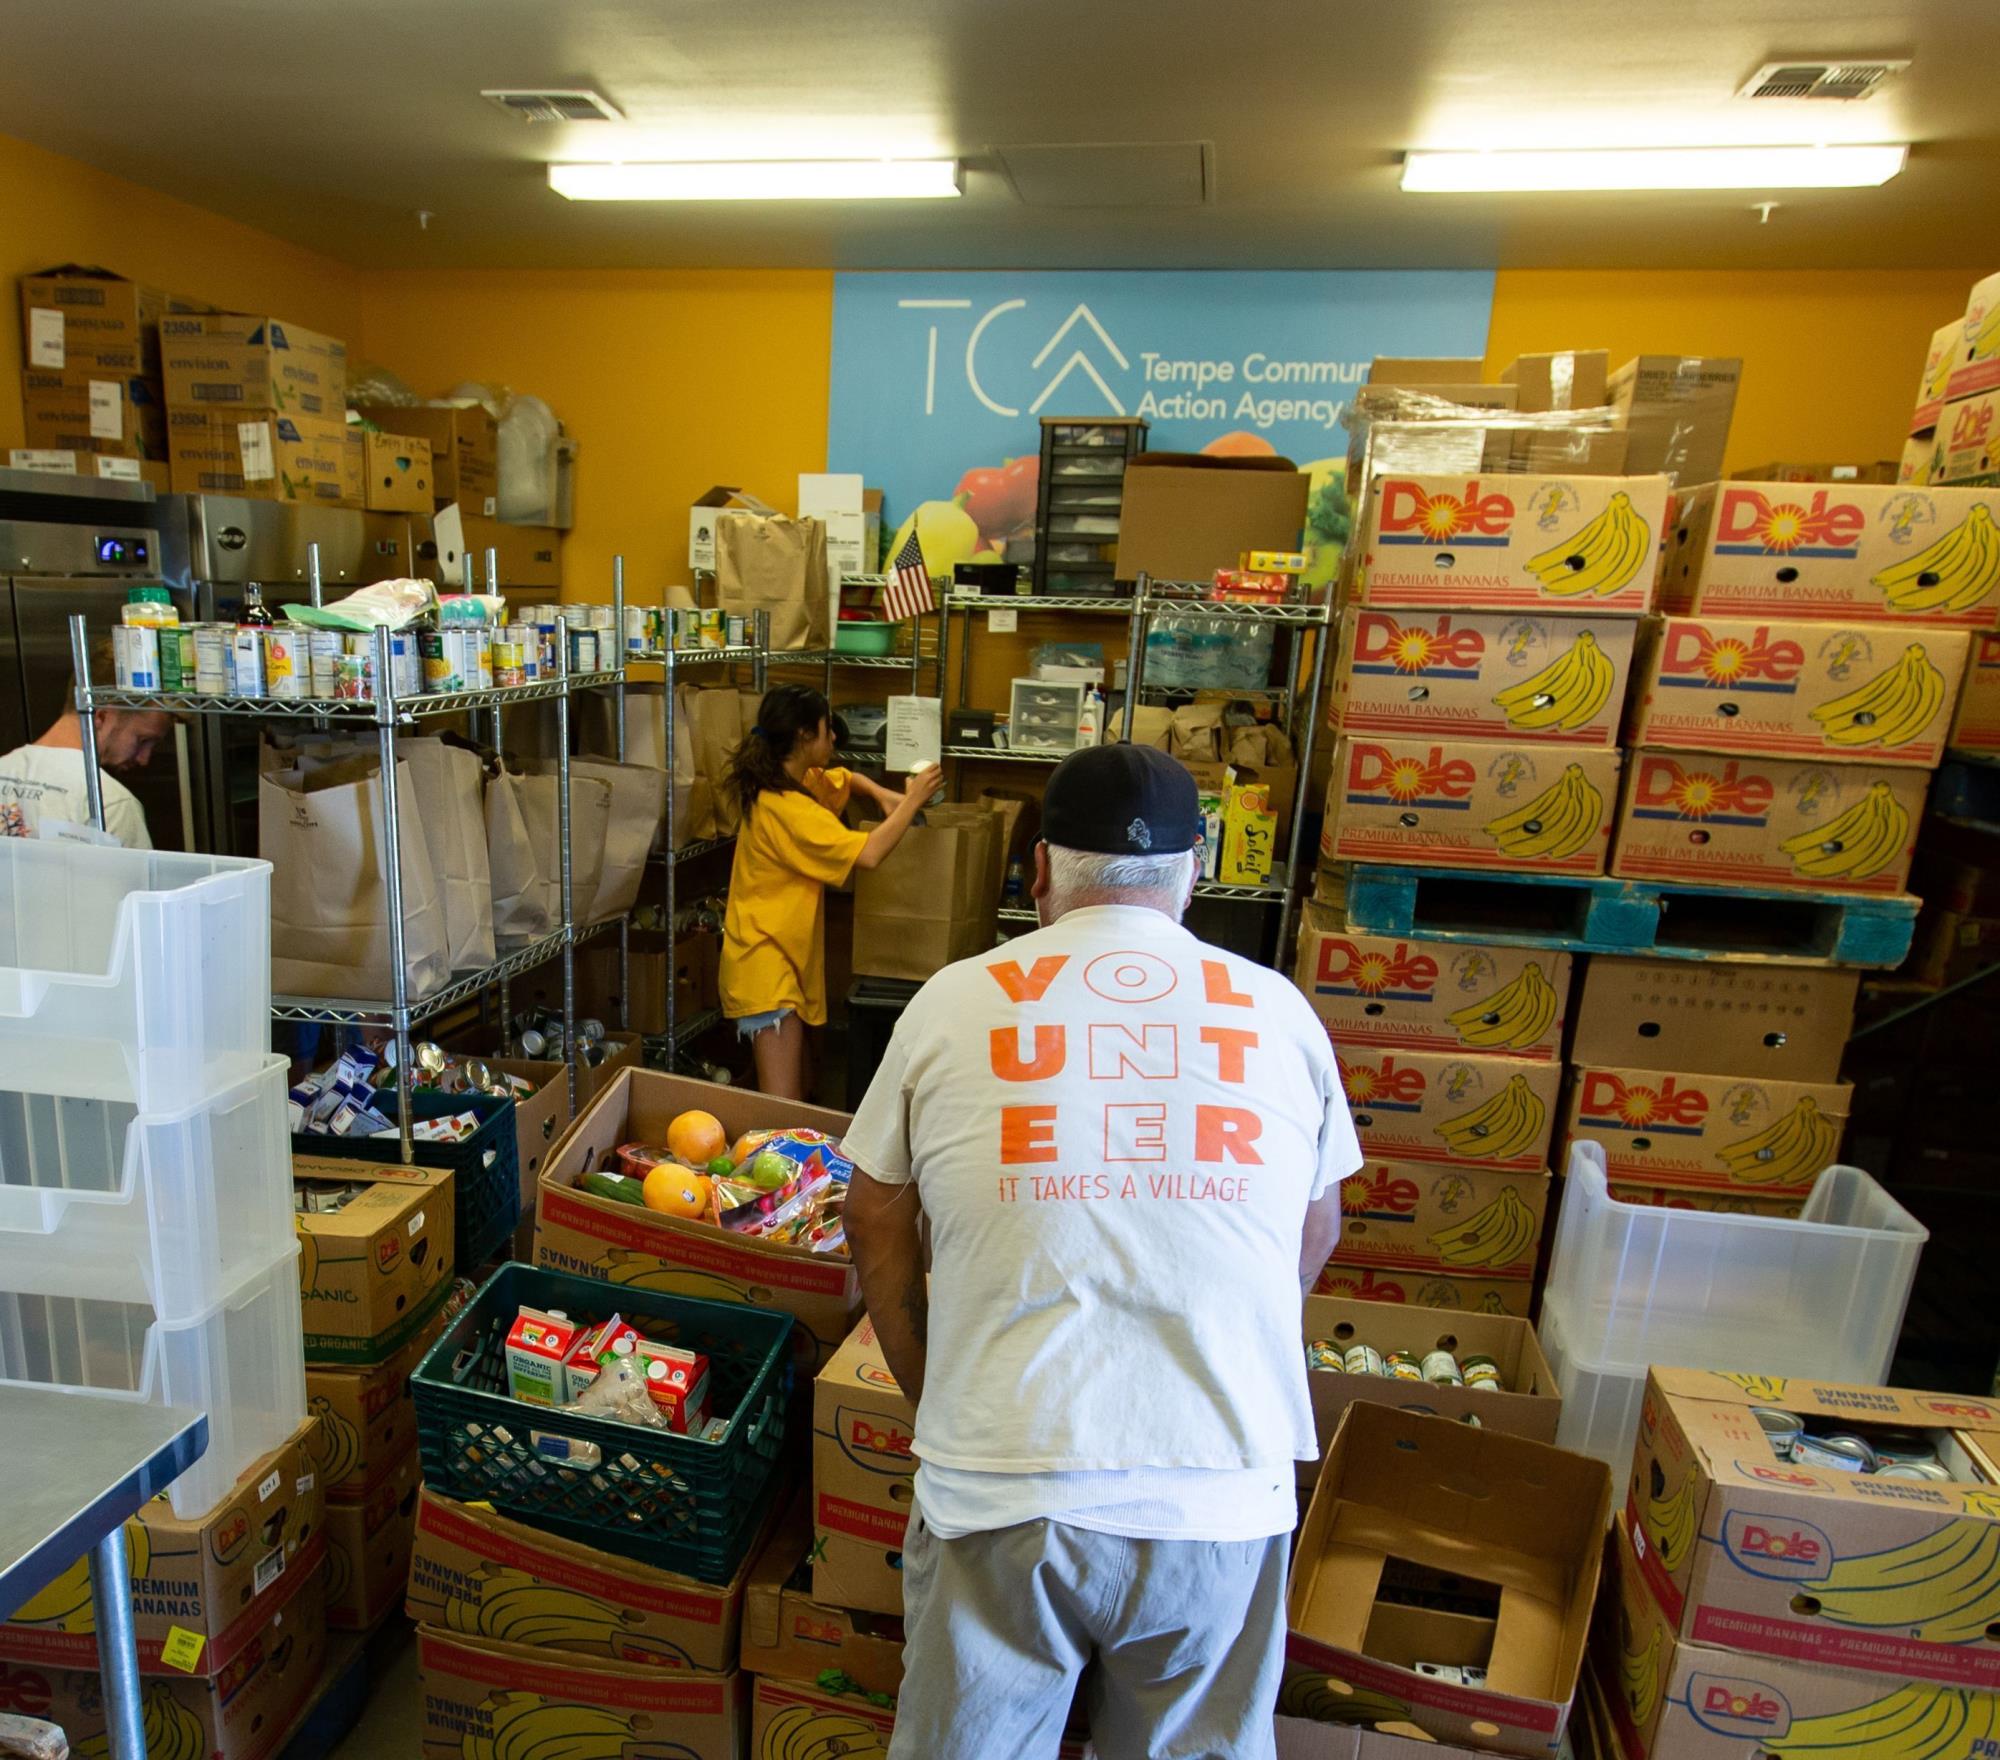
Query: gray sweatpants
{"type": "Point", "coordinates": [1187, 1638]}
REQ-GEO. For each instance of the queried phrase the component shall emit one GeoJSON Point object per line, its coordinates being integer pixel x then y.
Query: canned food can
{"type": "Point", "coordinates": [1401, 1366]}
{"type": "Point", "coordinates": [1323, 1354]}
{"type": "Point", "coordinates": [1781, 1428]}
{"type": "Point", "coordinates": [527, 639]}
{"type": "Point", "coordinates": [481, 670]}
{"type": "Point", "coordinates": [1930, 1471]}
{"type": "Point", "coordinates": [1441, 1369]}
{"type": "Point", "coordinates": [507, 665]}
{"type": "Point", "coordinates": [350, 678]}
{"type": "Point", "coordinates": [545, 630]}
{"type": "Point", "coordinates": [135, 656]}
{"type": "Point", "coordinates": [440, 652]}
{"type": "Point", "coordinates": [212, 664]}
{"type": "Point", "coordinates": [738, 630]}
{"type": "Point", "coordinates": [1901, 1448]}
{"type": "Point", "coordinates": [246, 661]}
{"type": "Point", "coordinates": [638, 629]}
{"type": "Point", "coordinates": [1363, 1359]}
{"type": "Point", "coordinates": [281, 664]}
{"type": "Point", "coordinates": [406, 667]}
{"type": "Point", "coordinates": [1482, 1372]}
{"type": "Point", "coordinates": [687, 628]}
{"type": "Point", "coordinates": [583, 650]}
{"type": "Point", "coordinates": [601, 616]}
{"type": "Point", "coordinates": [714, 629]}
{"type": "Point", "coordinates": [172, 678]}
{"type": "Point", "coordinates": [324, 648]}
{"type": "Point", "coordinates": [1843, 1453]}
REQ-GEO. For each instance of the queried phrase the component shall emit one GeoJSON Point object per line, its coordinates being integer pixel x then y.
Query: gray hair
{"type": "Point", "coordinates": [1081, 877]}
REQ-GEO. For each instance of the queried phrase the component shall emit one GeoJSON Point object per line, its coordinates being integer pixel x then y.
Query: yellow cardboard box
{"type": "Point", "coordinates": [1432, 1106]}
{"type": "Point", "coordinates": [1465, 1295]}
{"type": "Point", "coordinates": [367, 1421]}
{"type": "Point", "coordinates": [1445, 1221]}
{"type": "Point", "coordinates": [371, 1272]}
{"type": "Point", "coordinates": [786, 1632]}
{"type": "Point", "coordinates": [1976, 725]}
{"type": "Point", "coordinates": [863, 1477]}
{"type": "Point", "coordinates": [368, 1550]}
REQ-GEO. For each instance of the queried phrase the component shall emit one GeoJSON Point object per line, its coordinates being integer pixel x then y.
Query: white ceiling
{"type": "Point", "coordinates": [330, 122]}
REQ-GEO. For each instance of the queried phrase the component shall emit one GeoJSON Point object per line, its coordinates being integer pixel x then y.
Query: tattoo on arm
{"type": "Point", "coordinates": [917, 1310]}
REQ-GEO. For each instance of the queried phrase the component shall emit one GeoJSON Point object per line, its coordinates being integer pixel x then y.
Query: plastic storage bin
{"type": "Point", "coordinates": [148, 973]}
{"type": "Point", "coordinates": [1600, 1405]}
{"type": "Point", "coordinates": [1631, 1284]}
{"type": "Point", "coordinates": [102, 1201]}
{"type": "Point", "coordinates": [242, 1362]}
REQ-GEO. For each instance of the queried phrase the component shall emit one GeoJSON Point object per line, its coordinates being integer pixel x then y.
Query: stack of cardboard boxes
{"type": "Point", "coordinates": [256, 407]}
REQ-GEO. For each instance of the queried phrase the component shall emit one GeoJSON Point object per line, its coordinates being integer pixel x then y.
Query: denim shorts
{"type": "Point", "coordinates": [748, 1026]}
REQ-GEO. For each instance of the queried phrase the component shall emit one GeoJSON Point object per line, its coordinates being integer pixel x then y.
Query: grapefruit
{"type": "Point", "coordinates": [696, 1138]}
{"type": "Point", "coordinates": [674, 1191]}
{"type": "Point", "coordinates": [1239, 445]}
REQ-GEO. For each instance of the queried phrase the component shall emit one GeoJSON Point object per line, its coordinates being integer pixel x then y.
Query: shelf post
{"type": "Point", "coordinates": [1303, 730]}
{"type": "Point", "coordinates": [392, 852]}
{"type": "Point", "coordinates": [563, 836]}
{"type": "Point", "coordinates": [618, 747]}
{"type": "Point", "coordinates": [86, 714]}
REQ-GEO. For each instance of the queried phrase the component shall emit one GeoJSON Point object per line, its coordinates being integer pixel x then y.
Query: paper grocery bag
{"type": "Point", "coordinates": [522, 827]}
{"type": "Point", "coordinates": [718, 730]}
{"type": "Point", "coordinates": [589, 840]}
{"type": "Point", "coordinates": [933, 900]}
{"type": "Point", "coordinates": [636, 801]}
{"type": "Point", "coordinates": [777, 565]}
{"type": "Point", "coordinates": [323, 834]}
{"type": "Point", "coordinates": [448, 782]}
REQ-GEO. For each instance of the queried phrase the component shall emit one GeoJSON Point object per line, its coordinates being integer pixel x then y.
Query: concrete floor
{"type": "Point", "coordinates": [388, 1729]}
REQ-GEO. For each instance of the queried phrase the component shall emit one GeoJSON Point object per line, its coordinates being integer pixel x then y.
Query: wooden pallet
{"type": "Point", "coordinates": [1646, 918]}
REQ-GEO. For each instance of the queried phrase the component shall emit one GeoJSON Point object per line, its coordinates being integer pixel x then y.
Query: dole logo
{"type": "Point", "coordinates": [1973, 423]}
{"type": "Point", "coordinates": [1694, 654]}
{"type": "Point", "coordinates": [1776, 1546]}
{"type": "Point", "coordinates": [1748, 522]}
{"type": "Point", "coordinates": [1722, 790]}
{"type": "Point", "coordinates": [1405, 975]}
{"type": "Point", "coordinates": [1359, 1285]}
{"type": "Point", "coordinates": [1384, 1195]}
{"type": "Point", "coordinates": [230, 1535]}
{"type": "Point", "coordinates": [388, 1253]}
{"type": "Point", "coordinates": [1608, 1099]}
{"type": "Point", "coordinates": [1415, 514]}
{"type": "Point", "coordinates": [871, 1441]}
{"type": "Point", "coordinates": [24, 1691]}
{"type": "Point", "coordinates": [1960, 1411]}
{"type": "Point", "coordinates": [1377, 776]}
{"type": "Point", "coordinates": [1383, 644]}
{"type": "Point", "coordinates": [1382, 1084]}
{"type": "Point", "coordinates": [1738, 1707]}
{"type": "Point", "coordinates": [1787, 1478]}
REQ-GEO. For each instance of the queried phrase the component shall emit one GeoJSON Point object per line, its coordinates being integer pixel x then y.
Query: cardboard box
{"type": "Point", "coordinates": [1300, 1739]}
{"type": "Point", "coordinates": [1183, 518]}
{"type": "Point", "coordinates": [107, 467]}
{"type": "Point", "coordinates": [1481, 675]}
{"type": "Point", "coordinates": [257, 453]}
{"type": "Point", "coordinates": [1457, 804]}
{"type": "Point", "coordinates": [1466, 1295]}
{"type": "Point", "coordinates": [1404, 1500]}
{"type": "Point", "coordinates": [88, 321]}
{"type": "Point", "coordinates": [1878, 471]}
{"type": "Point", "coordinates": [1721, 1133]}
{"type": "Point", "coordinates": [1426, 371]}
{"type": "Point", "coordinates": [1848, 693]}
{"type": "Point", "coordinates": [93, 414]}
{"type": "Point", "coordinates": [1838, 552]}
{"type": "Point", "coordinates": [1939, 359]}
{"type": "Point", "coordinates": [595, 1237]}
{"type": "Point", "coordinates": [1921, 461]}
{"type": "Point", "coordinates": [1583, 547]}
{"type": "Point", "coordinates": [475, 1571]}
{"type": "Point", "coordinates": [1677, 410]}
{"type": "Point", "coordinates": [1433, 1106]}
{"type": "Point", "coordinates": [1976, 725]}
{"type": "Point", "coordinates": [211, 1585]}
{"type": "Point", "coordinates": [701, 522]}
{"type": "Point", "coordinates": [396, 474]}
{"type": "Point", "coordinates": [1968, 438]}
{"type": "Point", "coordinates": [529, 557]}
{"type": "Point", "coordinates": [485, 1698]}
{"type": "Point", "coordinates": [1768, 822]}
{"type": "Point", "coordinates": [1789, 1023]}
{"type": "Point", "coordinates": [1975, 358]}
{"type": "Point", "coordinates": [863, 1477]}
{"type": "Point", "coordinates": [368, 1550]}
{"type": "Point", "coordinates": [367, 1421]}
{"type": "Point", "coordinates": [1396, 993]}
{"type": "Point", "coordinates": [794, 1721]}
{"type": "Point", "coordinates": [1774, 1558]}
{"type": "Point", "coordinates": [1579, 451]}
{"type": "Point", "coordinates": [1731, 1203]}
{"type": "Point", "coordinates": [465, 448]}
{"type": "Point", "coordinates": [1451, 1221]}
{"type": "Point", "coordinates": [1572, 379]}
{"type": "Point", "coordinates": [786, 1632]}
{"type": "Point", "coordinates": [230, 361]}
{"type": "Point", "coordinates": [371, 1272]}
{"type": "Point", "coordinates": [245, 1714]}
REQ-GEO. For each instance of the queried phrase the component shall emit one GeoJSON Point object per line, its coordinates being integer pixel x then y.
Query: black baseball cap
{"type": "Point", "coordinates": [1121, 800]}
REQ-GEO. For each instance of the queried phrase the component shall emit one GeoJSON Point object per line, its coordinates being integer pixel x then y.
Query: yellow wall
{"type": "Point", "coordinates": [54, 210]}
{"type": "Point", "coordinates": [670, 381]}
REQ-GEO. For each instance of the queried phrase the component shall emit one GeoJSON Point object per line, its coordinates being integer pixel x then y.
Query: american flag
{"type": "Point", "coordinates": [907, 591]}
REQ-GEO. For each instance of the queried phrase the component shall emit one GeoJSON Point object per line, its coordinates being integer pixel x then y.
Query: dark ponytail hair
{"type": "Point", "coordinates": [788, 714]}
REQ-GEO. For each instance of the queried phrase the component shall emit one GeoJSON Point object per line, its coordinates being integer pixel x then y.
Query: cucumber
{"type": "Point", "coordinates": [618, 1187]}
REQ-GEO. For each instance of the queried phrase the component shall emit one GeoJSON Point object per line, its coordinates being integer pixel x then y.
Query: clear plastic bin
{"type": "Point", "coordinates": [135, 964]}
{"type": "Point", "coordinates": [1632, 1284]}
{"type": "Point", "coordinates": [242, 1362]}
{"type": "Point", "coordinates": [1600, 1405]}
{"type": "Point", "coordinates": [100, 1200]}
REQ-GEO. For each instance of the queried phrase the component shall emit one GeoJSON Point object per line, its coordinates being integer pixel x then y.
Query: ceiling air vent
{"type": "Point", "coordinates": [1842, 80]}
{"type": "Point", "coordinates": [573, 106]}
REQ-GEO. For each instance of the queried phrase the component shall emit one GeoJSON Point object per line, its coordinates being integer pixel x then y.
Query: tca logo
{"type": "Point", "coordinates": [1414, 514]}
{"type": "Point", "coordinates": [1344, 967]}
{"type": "Point", "coordinates": [1777, 1547]}
{"type": "Point", "coordinates": [1738, 1707]}
{"type": "Point", "coordinates": [1609, 1099]}
{"type": "Point", "coordinates": [1378, 776]}
{"type": "Point", "coordinates": [1383, 643]}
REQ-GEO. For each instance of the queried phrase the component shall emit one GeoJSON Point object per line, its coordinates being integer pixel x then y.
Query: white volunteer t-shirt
{"type": "Point", "coordinates": [1115, 1130]}
{"type": "Point", "coordinates": [40, 783]}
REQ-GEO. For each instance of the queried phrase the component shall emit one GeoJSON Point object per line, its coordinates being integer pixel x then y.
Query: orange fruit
{"type": "Point", "coordinates": [747, 1145]}
{"type": "Point", "coordinates": [696, 1138]}
{"type": "Point", "coordinates": [674, 1191]}
{"type": "Point", "coordinates": [1239, 445]}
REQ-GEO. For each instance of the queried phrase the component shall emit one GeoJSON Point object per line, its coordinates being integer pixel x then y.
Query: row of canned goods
{"type": "Point", "coordinates": [1437, 1368]}
{"type": "Point", "coordinates": [650, 629]}
{"type": "Point", "coordinates": [1885, 1453]}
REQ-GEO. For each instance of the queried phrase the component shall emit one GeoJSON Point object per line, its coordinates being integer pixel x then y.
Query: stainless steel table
{"type": "Point", "coordinates": [76, 1469]}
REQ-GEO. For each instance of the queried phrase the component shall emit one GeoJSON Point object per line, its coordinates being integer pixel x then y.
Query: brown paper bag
{"type": "Point", "coordinates": [448, 782]}
{"type": "Point", "coordinates": [717, 715]}
{"type": "Point", "coordinates": [1194, 733]}
{"type": "Point", "coordinates": [769, 563]}
{"type": "Point", "coordinates": [589, 840]}
{"type": "Point", "coordinates": [1020, 824]}
{"type": "Point", "coordinates": [522, 826]}
{"type": "Point", "coordinates": [933, 900]}
{"type": "Point", "coordinates": [324, 838]}
{"type": "Point", "coordinates": [637, 801]}
{"type": "Point", "coordinates": [1151, 726]}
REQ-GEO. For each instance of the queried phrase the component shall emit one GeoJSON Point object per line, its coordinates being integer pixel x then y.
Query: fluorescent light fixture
{"type": "Point", "coordinates": [759, 180]}
{"type": "Point", "coordinates": [1623, 168]}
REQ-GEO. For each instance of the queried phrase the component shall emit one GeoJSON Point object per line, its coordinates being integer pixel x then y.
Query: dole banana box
{"type": "Point", "coordinates": [1939, 359]}
{"type": "Point", "coordinates": [1976, 726]}
{"type": "Point", "coordinates": [1975, 359]}
{"type": "Point", "coordinates": [1399, 993]}
{"type": "Point", "coordinates": [1453, 804]}
{"type": "Point", "coordinates": [1921, 461]}
{"type": "Point", "coordinates": [368, 1550]}
{"type": "Point", "coordinates": [1481, 675]}
{"type": "Point", "coordinates": [1720, 1133]}
{"type": "Point", "coordinates": [1768, 822]}
{"type": "Point", "coordinates": [1582, 545]}
{"type": "Point", "coordinates": [1788, 1023]}
{"type": "Point", "coordinates": [1846, 693]}
{"type": "Point", "coordinates": [370, 1272]}
{"type": "Point", "coordinates": [1669, 1700]}
{"type": "Point", "coordinates": [204, 1591]}
{"type": "Point", "coordinates": [1845, 552]}
{"type": "Point", "coordinates": [863, 1477]}
{"type": "Point", "coordinates": [1465, 1295]}
{"type": "Point", "coordinates": [475, 1571]}
{"type": "Point", "coordinates": [787, 1633]}
{"type": "Point", "coordinates": [244, 1714]}
{"type": "Point", "coordinates": [1494, 1113]}
{"type": "Point", "coordinates": [1403, 1497]}
{"type": "Point", "coordinates": [793, 1721]}
{"type": "Point", "coordinates": [1454, 1221]}
{"type": "Point", "coordinates": [367, 1420]}
{"type": "Point", "coordinates": [1742, 1550]}
{"type": "Point", "coordinates": [1714, 1203]}
{"type": "Point", "coordinates": [1969, 435]}
{"type": "Point", "coordinates": [646, 1249]}
{"type": "Point", "coordinates": [482, 1698]}
{"type": "Point", "coordinates": [1299, 1739]}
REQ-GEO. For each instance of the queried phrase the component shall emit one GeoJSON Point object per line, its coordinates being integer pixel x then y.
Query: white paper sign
{"type": "Point", "coordinates": [41, 459]}
{"type": "Point", "coordinates": [253, 440]}
{"type": "Point", "coordinates": [120, 470]}
{"type": "Point", "coordinates": [107, 410]}
{"type": "Point", "coordinates": [45, 337]}
{"type": "Point", "coordinates": [1003, 623]}
{"type": "Point", "coordinates": [913, 733]}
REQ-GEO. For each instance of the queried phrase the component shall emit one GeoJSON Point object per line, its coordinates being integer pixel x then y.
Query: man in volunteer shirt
{"type": "Point", "coordinates": [1129, 1147]}
{"type": "Point", "coordinates": [41, 784]}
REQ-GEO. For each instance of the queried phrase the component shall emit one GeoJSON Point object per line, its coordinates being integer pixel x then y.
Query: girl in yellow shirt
{"type": "Point", "coordinates": [792, 847]}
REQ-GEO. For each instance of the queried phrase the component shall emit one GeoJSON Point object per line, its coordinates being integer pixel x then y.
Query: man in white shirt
{"type": "Point", "coordinates": [41, 784]}
{"type": "Point", "coordinates": [1129, 1147]}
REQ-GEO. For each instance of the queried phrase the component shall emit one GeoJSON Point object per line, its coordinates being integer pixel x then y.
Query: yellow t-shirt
{"type": "Point", "coordinates": [792, 847]}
